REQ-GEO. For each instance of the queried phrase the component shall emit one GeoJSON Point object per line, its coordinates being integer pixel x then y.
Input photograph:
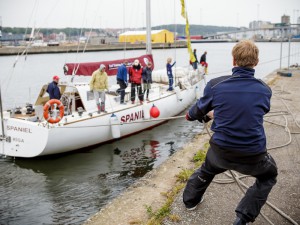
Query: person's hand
{"type": "Point", "coordinates": [187, 117]}
{"type": "Point", "coordinates": [210, 114]}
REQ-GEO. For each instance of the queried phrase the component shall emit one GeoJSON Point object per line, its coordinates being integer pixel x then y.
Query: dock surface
{"type": "Point", "coordinates": [283, 143]}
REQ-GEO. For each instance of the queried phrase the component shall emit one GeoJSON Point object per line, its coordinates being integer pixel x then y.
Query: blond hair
{"type": "Point", "coordinates": [169, 60]}
{"type": "Point", "coordinates": [245, 54]}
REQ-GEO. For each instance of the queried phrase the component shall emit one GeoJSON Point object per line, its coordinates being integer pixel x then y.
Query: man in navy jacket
{"type": "Point", "coordinates": [237, 103]}
{"type": "Point", "coordinates": [53, 89]}
{"type": "Point", "coordinates": [122, 81]}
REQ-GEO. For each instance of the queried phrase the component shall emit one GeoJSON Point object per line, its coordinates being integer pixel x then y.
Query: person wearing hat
{"type": "Point", "coordinates": [53, 89]}
{"type": "Point", "coordinates": [99, 84]}
{"type": "Point", "coordinates": [135, 78]}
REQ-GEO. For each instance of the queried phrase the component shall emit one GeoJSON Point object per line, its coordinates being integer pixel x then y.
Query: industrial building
{"type": "Point", "coordinates": [157, 36]}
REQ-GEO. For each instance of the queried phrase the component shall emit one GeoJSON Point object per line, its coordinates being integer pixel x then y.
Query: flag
{"type": "Point", "coordinates": [187, 31]}
{"type": "Point", "coordinates": [182, 8]}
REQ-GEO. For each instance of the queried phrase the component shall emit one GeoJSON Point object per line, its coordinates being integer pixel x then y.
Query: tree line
{"type": "Point", "coordinates": [179, 28]}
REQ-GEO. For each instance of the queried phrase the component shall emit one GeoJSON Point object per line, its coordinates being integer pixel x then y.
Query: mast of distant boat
{"type": "Point", "coordinates": [2, 137]}
{"type": "Point", "coordinates": [148, 27]}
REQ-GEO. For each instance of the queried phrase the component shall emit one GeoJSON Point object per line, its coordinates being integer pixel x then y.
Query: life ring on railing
{"type": "Point", "coordinates": [47, 106]}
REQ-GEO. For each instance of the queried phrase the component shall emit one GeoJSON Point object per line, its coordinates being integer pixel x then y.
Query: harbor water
{"type": "Point", "coordinates": [69, 188]}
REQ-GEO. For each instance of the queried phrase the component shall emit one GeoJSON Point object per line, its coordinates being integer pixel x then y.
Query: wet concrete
{"type": "Point", "coordinates": [283, 143]}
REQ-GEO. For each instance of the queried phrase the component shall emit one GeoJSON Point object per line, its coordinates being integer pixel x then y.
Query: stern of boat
{"type": "Point", "coordinates": [22, 138]}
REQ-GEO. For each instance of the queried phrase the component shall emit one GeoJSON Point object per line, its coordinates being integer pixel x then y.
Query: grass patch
{"type": "Point", "coordinates": [156, 217]}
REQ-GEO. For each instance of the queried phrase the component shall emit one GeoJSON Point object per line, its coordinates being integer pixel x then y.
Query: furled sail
{"type": "Point", "coordinates": [86, 69]}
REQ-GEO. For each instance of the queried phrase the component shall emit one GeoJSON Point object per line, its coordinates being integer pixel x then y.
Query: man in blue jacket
{"type": "Point", "coordinates": [53, 89]}
{"type": "Point", "coordinates": [122, 81]}
{"type": "Point", "coordinates": [237, 103]}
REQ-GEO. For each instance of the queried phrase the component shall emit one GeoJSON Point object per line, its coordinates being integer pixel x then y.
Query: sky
{"type": "Point", "coordinates": [132, 13]}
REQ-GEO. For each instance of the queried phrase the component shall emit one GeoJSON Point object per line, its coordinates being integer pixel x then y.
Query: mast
{"type": "Point", "coordinates": [148, 28]}
{"type": "Point", "coordinates": [2, 137]}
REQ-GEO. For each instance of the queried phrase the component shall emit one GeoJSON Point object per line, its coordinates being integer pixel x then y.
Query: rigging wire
{"type": "Point", "coordinates": [86, 41]}
{"type": "Point", "coordinates": [125, 41]}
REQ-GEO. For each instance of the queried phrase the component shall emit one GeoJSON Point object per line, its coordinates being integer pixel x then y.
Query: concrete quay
{"type": "Point", "coordinates": [282, 126]}
{"type": "Point", "coordinates": [10, 50]}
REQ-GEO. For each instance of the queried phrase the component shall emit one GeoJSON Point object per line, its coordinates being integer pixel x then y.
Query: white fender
{"type": "Point", "coordinates": [146, 110]}
{"type": "Point", "coordinates": [178, 93]}
{"type": "Point", "coordinates": [115, 126]}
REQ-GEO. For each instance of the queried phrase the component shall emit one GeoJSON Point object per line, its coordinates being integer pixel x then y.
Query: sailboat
{"type": "Point", "coordinates": [33, 131]}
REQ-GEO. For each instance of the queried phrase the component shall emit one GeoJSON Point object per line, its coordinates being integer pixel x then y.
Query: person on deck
{"type": "Point", "coordinates": [170, 74]}
{"type": "Point", "coordinates": [122, 81]}
{"type": "Point", "coordinates": [53, 89]}
{"type": "Point", "coordinates": [135, 78]}
{"type": "Point", "coordinates": [195, 64]}
{"type": "Point", "coordinates": [147, 79]}
{"type": "Point", "coordinates": [99, 84]}
{"type": "Point", "coordinates": [237, 103]}
{"type": "Point", "coordinates": [203, 61]}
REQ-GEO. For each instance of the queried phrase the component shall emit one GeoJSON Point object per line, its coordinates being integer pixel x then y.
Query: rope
{"type": "Point", "coordinates": [126, 123]}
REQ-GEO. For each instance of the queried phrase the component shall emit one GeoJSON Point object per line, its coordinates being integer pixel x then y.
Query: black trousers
{"type": "Point", "coordinates": [264, 170]}
{"type": "Point", "coordinates": [135, 86]}
{"type": "Point", "coordinates": [121, 90]}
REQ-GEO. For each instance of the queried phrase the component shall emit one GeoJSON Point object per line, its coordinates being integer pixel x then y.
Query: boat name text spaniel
{"type": "Point", "coordinates": [132, 116]}
{"type": "Point", "coordinates": [20, 129]}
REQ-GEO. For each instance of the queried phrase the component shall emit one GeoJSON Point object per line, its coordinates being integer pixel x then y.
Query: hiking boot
{"type": "Point", "coordinates": [98, 108]}
{"type": "Point", "coordinates": [103, 108]}
{"type": "Point", "coordinates": [239, 221]}
{"type": "Point", "coordinates": [193, 208]}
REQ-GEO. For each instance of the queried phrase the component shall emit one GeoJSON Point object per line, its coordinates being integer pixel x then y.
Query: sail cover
{"type": "Point", "coordinates": [87, 68]}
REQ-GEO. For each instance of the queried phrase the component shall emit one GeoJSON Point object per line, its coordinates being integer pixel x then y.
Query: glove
{"type": "Point", "coordinates": [187, 117]}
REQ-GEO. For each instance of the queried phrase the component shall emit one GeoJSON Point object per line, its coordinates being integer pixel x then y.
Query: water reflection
{"type": "Point", "coordinates": [136, 162]}
{"type": "Point", "coordinates": [68, 189]}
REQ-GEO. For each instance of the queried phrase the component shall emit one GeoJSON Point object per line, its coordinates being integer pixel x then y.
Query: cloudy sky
{"type": "Point", "coordinates": [131, 13]}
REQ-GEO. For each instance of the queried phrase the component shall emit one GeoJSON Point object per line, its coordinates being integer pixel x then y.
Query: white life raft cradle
{"type": "Point", "coordinates": [182, 76]}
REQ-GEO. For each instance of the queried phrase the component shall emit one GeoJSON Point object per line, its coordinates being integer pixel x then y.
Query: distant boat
{"type": "Point", "coordinates": [211, 40]}
{"type": "Point", "coordinates": [26, 133]}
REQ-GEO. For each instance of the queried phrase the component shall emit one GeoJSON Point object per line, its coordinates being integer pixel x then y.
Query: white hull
{"type": "Point", "coordinates": [25, 138]}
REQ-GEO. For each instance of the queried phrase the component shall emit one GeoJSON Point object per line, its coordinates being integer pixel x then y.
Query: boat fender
{"type": "Point", "coordinates": [154, 111]}
{"type": "Point", "coordinates": [178, 93]}
{"type": "Point", "coordinates": [146, 111]}
{"type": "Point", "coordinates": [115, 126]}
{"type": "Point", "coordinates": [53, 103]}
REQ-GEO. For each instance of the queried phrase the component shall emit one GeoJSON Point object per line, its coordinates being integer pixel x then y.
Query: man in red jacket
{"type": "Point", "coordinates": [135, 78]}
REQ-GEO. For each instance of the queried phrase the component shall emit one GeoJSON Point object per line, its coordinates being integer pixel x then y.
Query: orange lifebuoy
{"type": "Point", "coordinates": [61, 111]}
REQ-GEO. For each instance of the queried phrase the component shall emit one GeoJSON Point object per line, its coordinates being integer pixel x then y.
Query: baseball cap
{"type": "Point", "coordinates": [101, 66]}
{"type": "Point", "coordinates": [55, 77]}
